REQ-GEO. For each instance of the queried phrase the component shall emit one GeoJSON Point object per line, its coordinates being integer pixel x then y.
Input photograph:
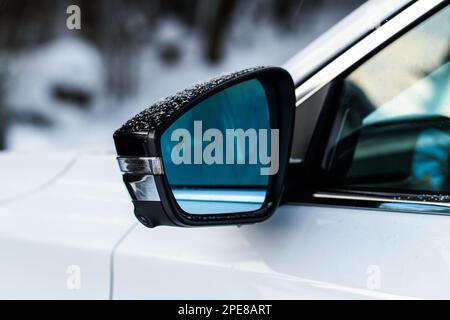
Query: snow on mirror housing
{"type": "Point", "coordinates": [213, 154]}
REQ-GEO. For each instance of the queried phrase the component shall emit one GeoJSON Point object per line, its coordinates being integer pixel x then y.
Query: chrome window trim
{"type": "Point", "coordinates": [350, 30]}
{"type": "Point", "coordinates": [364, 47]}
{"type": "Point", "coordinates": [368, 198]}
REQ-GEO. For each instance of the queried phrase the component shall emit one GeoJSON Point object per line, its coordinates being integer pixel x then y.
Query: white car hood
{"type": "Point", "coordinates": [24, 173]}
{"type": "Point", "coordinates": [60, 213]}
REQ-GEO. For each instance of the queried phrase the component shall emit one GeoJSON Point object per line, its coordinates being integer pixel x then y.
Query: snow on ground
{"type": "Point", "coordinates": [34, 85]}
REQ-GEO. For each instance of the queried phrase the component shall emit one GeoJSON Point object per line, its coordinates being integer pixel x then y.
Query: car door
{"type": "Point", "coordinates": [366, 206]}
{"type": "Point", "coordinates": [375, 180]}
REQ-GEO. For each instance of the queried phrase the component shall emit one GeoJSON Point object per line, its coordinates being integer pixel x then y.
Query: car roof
{"type": "Point", "coordinates": [343, 35]}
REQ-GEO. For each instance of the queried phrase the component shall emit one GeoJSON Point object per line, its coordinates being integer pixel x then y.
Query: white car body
{"type": "Point", "coordinates": [67, 229]}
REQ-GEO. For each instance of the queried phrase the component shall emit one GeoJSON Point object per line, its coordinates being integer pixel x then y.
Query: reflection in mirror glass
{"type": "Point", "coordinates": [217, 155]}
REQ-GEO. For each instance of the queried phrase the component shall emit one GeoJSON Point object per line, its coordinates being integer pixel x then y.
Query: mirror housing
{"type": "Point", "coordinates": [138, 145]}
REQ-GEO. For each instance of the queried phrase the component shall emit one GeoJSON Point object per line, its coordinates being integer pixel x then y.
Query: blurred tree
{"type": "Point", "coordinates": [25, 22]}
{"type": "Point", "coordinates": [215, 24]}
{"type": "Point", "coordinates": [3, 120]}
{"type": "Point", "coordinates": [286, 12]}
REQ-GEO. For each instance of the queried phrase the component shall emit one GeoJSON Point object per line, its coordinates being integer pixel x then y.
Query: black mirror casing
{"type": "Point", "coordinates": [139, 150]}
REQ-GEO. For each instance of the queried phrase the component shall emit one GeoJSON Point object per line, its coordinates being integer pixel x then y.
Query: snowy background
{"type": "Point", "coordinates": [64, 89]}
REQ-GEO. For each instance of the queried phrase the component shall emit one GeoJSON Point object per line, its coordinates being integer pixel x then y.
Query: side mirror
{"type": "Point", "coordinates": [213, 154]}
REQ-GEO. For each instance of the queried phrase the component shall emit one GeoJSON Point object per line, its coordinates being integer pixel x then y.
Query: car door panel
{"type": "Point", "coordinates": [303, 251]}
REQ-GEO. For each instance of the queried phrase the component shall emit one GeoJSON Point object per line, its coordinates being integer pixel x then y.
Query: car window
{"type": "Point", "coordinates": [392, 129]}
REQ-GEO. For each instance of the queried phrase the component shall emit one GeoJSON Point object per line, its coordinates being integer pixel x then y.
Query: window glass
{"type": "Point", "coordinates": [392, 130]}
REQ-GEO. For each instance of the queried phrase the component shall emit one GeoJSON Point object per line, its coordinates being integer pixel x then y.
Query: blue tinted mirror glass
{"type": "Point", "coordinates": [217, 156]}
